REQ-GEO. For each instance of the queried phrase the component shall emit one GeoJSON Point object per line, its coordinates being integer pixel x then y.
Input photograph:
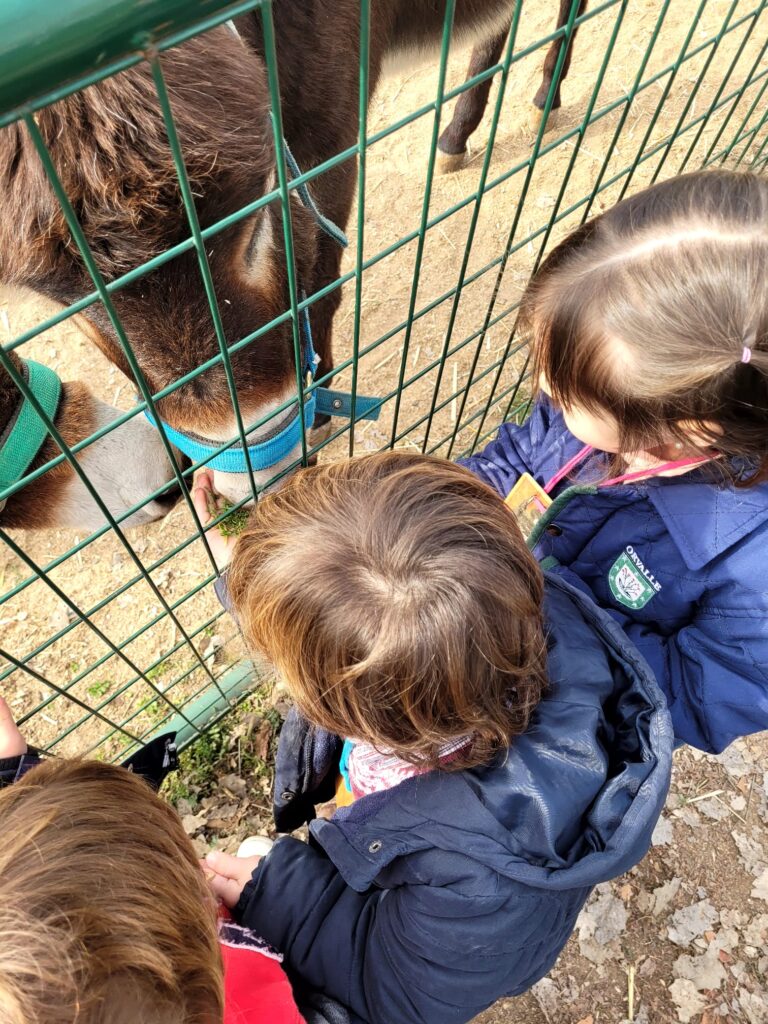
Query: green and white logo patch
{"type": "Point", "coordinates": [628, 583]}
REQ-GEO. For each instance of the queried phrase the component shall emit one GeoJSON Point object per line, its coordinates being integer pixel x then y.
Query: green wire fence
{"type": "Point", "coordinates": [111, 637]}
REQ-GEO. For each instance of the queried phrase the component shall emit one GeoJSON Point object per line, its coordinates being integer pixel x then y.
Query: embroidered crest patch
{"type": "Point", "coordinates": [628, 584]}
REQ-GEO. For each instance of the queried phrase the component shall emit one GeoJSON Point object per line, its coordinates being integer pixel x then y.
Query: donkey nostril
{"type": "Point", "coordinates": [171, 493]}
{"type": "Point", "coordinates": [169, 498]}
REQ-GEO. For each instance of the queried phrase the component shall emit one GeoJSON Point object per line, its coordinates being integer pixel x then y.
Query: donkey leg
{"type": "Point", "coordinates": [470, 106]}
{"type": "Point", "coordinates": [550, 62]}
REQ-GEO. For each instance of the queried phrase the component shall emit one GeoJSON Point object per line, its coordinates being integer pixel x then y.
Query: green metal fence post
{"type": "Point", "coordinates": [558, 201]}
{"type": "Point", "coordinates": [268, 28]}
{"type": "Point", "coordinates": [362, 154]}
{"type": "Point", "coordinates": [478, 199]}
{"type": "Point", "coordinates": [663, 98]}
{"type": "Point", "coordinates": [694, 91]}
{"type": "Point", "coordinates": [726, 78]}
{"type": "Point", "coordinates": [450, 6]}
{"type": "Point", "coordinates": [750, 77]}
{"type": "Point", "coordinates": [530, 164]}
{"type": "Point", "coordinates": [752, 132]}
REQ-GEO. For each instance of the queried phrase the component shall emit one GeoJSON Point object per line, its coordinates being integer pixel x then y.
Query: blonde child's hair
{"type": "Point", "coordinates": [657, 312]}
{"type": "Point", "coordinates": [397, 598]}
{"type": "Point", "coordinates": [105, 917]}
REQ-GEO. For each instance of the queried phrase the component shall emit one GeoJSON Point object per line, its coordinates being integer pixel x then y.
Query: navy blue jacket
{"type": "Point", "coordinates": [425, 903]}
{"type": "Point", "coordinates": [681, 562]}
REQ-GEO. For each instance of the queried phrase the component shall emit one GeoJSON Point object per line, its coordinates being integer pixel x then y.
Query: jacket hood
{"type": "Point", "coordinates": [573, 802]}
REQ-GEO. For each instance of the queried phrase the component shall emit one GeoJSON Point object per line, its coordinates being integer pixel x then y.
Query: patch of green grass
{"type": "Point", "coordinates": [159, 670]}
{"type": "Point", "coordinates": [176, 788]}
{"type": "Point", "coordinates": [235, 522]}
{"type": "Point", "coordinates": [74, 668]}
{"type": "Point", "coordinates": [272, 715]}
{"type": "Point", "coordinates": [199, 766]}
{"type": "Point", "coordinates": [158, 710]}
{"type": "Point", "coordinates": [224, 748]}
{"type": "Point", "coordinates": [100, 688]}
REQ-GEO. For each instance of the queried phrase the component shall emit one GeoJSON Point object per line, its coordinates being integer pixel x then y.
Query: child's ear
{"type": "Point", "coordinates": [699, 435]}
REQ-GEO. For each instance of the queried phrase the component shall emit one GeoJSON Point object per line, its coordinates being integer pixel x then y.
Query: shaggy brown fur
{"type": "Point", "coordinates": [110, 149]}
{"type": "Point", "coordinates": [111, 152]}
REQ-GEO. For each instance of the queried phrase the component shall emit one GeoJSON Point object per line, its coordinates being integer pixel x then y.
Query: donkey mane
{"type": "Point", "coordinates": [110, 148]}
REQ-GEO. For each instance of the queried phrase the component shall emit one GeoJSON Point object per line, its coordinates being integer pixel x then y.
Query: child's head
{"type": "Point", "coordinates": [395, 595]}
{"type": "Point", "coordinates": [651, 321]}
{"type": "Point", "coordinates": [105, 916]}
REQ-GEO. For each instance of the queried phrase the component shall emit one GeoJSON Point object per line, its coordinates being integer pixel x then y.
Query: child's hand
{"type": "Point", "coordinates": [12, 743]}
{"type": "Point", "coordinates": [230, 875]}
{"type": "Point", "coordinates": [208, 505]}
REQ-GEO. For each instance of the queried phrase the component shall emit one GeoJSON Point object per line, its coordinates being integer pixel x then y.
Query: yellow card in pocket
{"type": "Point", "coordinates": [528, 500]}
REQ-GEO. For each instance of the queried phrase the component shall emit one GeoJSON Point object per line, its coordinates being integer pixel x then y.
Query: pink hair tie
{"type": "Point", "coordinates": [749, 341]}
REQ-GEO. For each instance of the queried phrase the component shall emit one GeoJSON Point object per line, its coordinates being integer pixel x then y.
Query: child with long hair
{"type": "Point", "coordinates": [499, 745]}
{"type": "Point", "coordinates": [645, 461]}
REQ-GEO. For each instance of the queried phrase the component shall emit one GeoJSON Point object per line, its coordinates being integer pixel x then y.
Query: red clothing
{"type": "Point", "coordinates": [256, 989]}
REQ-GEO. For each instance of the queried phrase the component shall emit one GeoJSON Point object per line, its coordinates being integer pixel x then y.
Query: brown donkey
{"type": "Point", "coordinates": [111, 152]}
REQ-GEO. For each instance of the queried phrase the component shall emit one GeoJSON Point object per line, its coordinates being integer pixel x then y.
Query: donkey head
{"type": "Point", "coordinates": [169, 317]}
{"type": "Point", "coordinates": [110, 148]}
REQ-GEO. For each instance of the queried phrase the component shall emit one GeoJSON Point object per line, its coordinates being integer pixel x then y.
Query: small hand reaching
{"type": "Point", "coordinates": [228, 876]}
{"type": "Point", "coordinates": [208, 505]}
{"type": "Point", "coordinates": [12, 743]}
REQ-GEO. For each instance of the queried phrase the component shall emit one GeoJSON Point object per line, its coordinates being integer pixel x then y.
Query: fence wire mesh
{"type": "Point", "coordinates": [111, 634]}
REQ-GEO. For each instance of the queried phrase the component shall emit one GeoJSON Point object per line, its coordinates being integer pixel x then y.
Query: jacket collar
{"type": "Point", "coordinates": [365, 838]}
{"type": "Point", "coordinates": [705, 520]}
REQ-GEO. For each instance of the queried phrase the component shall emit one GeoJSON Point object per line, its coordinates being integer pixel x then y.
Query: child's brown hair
{"type": "Point", "coordinates": [657, 312]}
{"type": "Point", "coordinates": [105, 917]}
{"type": "Point", "coordinates": [397, 598]}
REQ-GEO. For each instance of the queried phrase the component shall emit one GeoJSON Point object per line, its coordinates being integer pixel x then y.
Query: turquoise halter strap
{"type": "Point", "coordinates": [24, 435]}
{"type": "Point", "coordinates": [271, 450]}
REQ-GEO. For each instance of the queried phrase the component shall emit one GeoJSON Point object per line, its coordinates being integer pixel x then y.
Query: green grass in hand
{"type": "Point", "coordinates": [234, 524]}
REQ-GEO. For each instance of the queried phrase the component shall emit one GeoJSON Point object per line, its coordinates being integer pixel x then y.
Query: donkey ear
{"type": "Point", "coordinates": [260, 244]}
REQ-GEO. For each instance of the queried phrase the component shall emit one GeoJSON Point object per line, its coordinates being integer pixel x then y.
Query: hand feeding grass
{"type": "Point", "coordinates": [234, 522]}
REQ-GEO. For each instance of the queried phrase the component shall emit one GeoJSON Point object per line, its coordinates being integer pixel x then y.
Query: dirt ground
{"type": "Point", "coordinates": [707, 878]}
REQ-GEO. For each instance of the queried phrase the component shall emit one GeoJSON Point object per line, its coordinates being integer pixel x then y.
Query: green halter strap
{"type": "Point", "coordinates": [23, 437]}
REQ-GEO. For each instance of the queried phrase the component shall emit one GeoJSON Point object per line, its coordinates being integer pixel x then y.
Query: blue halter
{"type": "Point", "coordinates": [271, 450]}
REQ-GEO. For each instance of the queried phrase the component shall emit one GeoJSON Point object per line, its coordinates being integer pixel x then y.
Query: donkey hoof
{"type": "Point", "coordinates": [536, 115]}
{"type": "Point", "coordinates": [319, 434]}
{"type": "Point", "coordinates": [447, 163]}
